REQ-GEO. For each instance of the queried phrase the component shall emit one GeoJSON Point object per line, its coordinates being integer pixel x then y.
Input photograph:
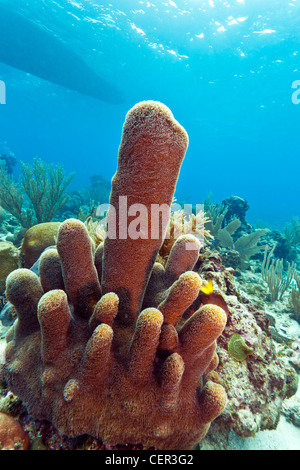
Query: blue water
{"type": "Point", "coordinates": [225, 69]}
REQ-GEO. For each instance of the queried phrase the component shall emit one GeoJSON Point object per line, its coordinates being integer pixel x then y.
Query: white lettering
{"type": "Point", "coordinates": [2, 92]}
{"type": "Point", "coordinates": [296, 94]}
{"type": "Point", "coordinates": [138, 228]}
{"type": "Point", "coordinates": [115, 460]}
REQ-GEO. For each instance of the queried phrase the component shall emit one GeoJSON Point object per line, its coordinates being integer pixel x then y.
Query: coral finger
{"type": "Point", "coordinates": [213, 364]}
{"type": "Point", "coordinates": [201, 330]}
{"type": "Point", "coordinates": [155, 287]}
{"type": "Point", "coordinates": [80, 275]}
{"type": "Point", "coordinates": [183, 256]}
{"type": "Point", "coordinates": [24, 290]}
{"type": "Point", "coordinates": [212, 401]}
{"type": "Point", "coordinates": [181, 295]}
{"type": "Point", "coordinates": [151, 151]}
{"type": "Point", "coordinates": [96, 360]}
{"type": "Point", "coordinates": [200, 363]}
{"type": "Point", "coordinates": [105, 311]}
{"type": "Point", "coordinates": [144, 344]}
{"type": "Point", "coordinates": [171, 375]}
{"type": "Point", "coordinates": [50, 270]}
{"type": "Point", "coordinates": [168, 340]}
{"type": "Point", "coordinates": [54, 316]}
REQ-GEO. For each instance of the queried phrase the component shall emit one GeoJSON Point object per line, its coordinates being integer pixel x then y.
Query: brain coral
{"type": "Point", "coordinates": [97, 347]}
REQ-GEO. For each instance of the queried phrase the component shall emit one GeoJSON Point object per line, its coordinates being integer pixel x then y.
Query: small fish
{"type": "Point", "coordinates": [208, 288]}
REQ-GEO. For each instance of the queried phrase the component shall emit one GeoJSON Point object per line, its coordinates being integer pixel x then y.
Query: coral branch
{"type": "Point", "coordinates": [50, 270]}
{"type": "Point", "coordinates": [183, 256]}
{"type": "Point", "coordinates": [23, 290]}
{"type": "Point", "coordinates": [79, 272]}
{"type": "Point", "coordinates": [144, 344]}
{"type": "Point", "coordinates": [151, 152]}
{"type": "Point", "coordinates": [54, 318]}
{"type": "Point", "coordinates": [180, 296]}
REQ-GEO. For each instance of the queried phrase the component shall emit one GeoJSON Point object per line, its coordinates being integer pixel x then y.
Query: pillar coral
{"type": "Point", "coordinates": [108, 357]}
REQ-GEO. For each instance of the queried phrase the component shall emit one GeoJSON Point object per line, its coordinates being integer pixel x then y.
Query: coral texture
{"type": "Point", "coordinates": [36, 239]}
{"type": "Point", "coordinates": [103, 348]}
{"type": "Point", "coordinates": [9, 260]}
{"type": "Point", "coordinates": [12, 436]}
{"type": "Point", "coordinates": [256, 387]}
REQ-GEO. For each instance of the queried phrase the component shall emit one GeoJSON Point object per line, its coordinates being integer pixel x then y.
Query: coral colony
{"type": "Point", "coordinates": [101, 345]}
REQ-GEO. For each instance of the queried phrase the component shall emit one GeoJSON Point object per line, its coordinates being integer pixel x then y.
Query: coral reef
{"type": "Point", "coordinates": [216, 214]}
{"type": "Point", "coordinates": [44, 188]}
{"type": "Point", "coordinates": [231, 234]}
{"type": "Point", "coordinates": [291, 410]}
{"type": "Point", "coordinates": [9, 260]}
{"type": "Point", "coordinates": [36, 239]}
{"type": "Point", "coordinates": [224, 235]}
{"type": "Point", "coordinates": [115, 349]}
{"type": "Point", "coordinates": [247, 245]}
{"type": "Point", "coordinates": [256, 387]}
{"type": "Point", "coordinates": [101, 344]}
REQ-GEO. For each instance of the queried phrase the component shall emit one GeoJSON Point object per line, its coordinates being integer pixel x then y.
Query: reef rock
{"type": "Point", "coordinates": [9, 260]}
{"type": "Point", "coordinates": [12, 435]}
{"type": "Point", "coordinates": [236, 207]}
{"type": "Point", "coordinates": [257, 386]}
{"type": "Point", "coordinates": [36, 239]}
{"type": "Point", "coordinates": [291, 410]}
{"type": "Point", "coordinates": [113, 344]}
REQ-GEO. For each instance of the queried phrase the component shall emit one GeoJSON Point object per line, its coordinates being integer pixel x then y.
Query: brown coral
{"type": "Point", "coordinates": [109, 359]}
{"type": "Point", "coordinates": [12, 435]}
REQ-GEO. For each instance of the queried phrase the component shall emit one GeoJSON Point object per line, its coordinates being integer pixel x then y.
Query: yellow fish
{"type": "Point", "coordinates": [208, 288]}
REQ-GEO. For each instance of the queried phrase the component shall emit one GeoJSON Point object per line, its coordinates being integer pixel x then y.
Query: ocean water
{"type": "Point", "coordinates": [226, 69]}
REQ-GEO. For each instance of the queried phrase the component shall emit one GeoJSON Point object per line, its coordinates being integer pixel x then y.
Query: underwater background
{"type": "Point", "coordinates": [224, 68]}
{"type": "Point", "coordinates": [229, 71]}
